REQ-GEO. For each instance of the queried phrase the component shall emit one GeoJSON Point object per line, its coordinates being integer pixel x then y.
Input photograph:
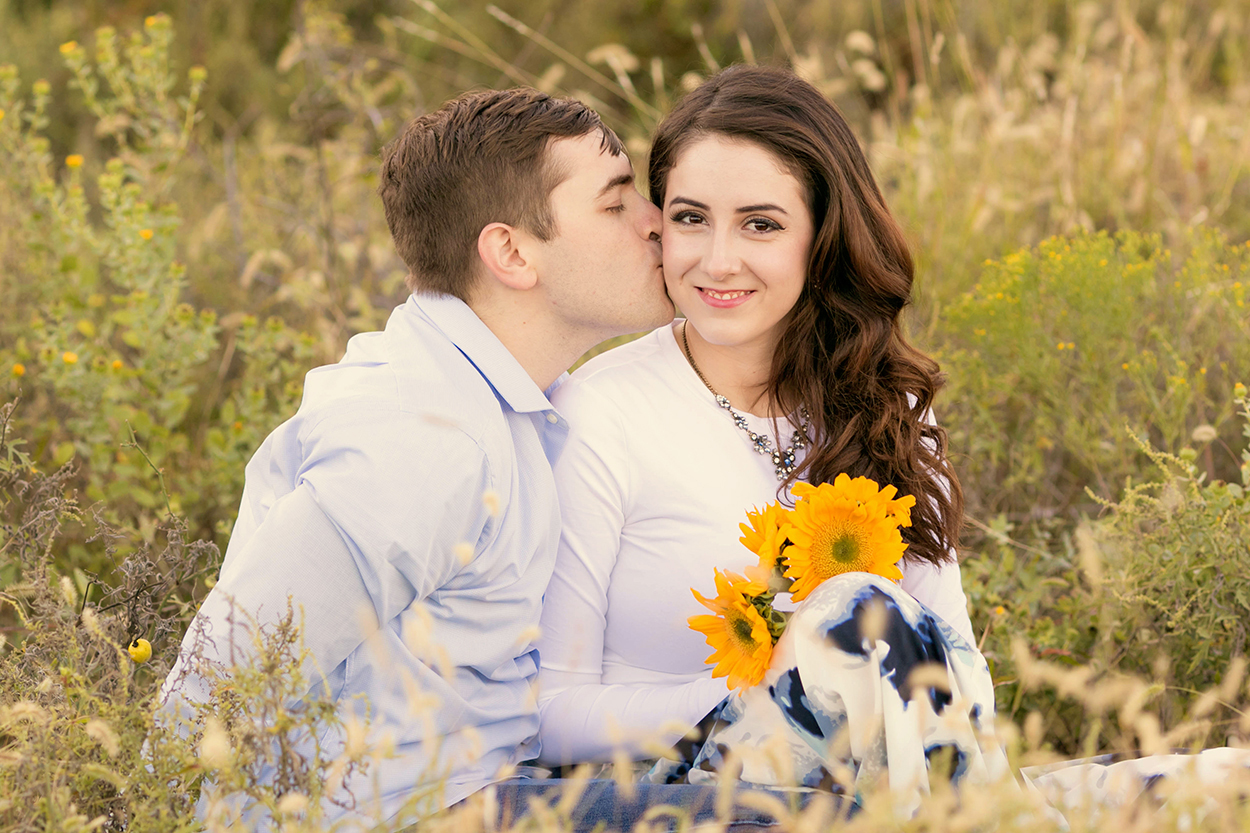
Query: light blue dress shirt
{"type": "Point", "coordinates": [408, 510]}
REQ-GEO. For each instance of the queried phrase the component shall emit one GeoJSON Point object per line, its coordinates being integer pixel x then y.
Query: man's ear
{"type": "Point", "coordinates": [506, 254]}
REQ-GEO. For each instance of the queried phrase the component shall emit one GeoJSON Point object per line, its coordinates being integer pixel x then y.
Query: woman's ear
{"type": "Point", "coordinates": [506, 254]}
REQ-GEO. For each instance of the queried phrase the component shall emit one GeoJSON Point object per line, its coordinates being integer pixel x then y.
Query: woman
{"type": "Point", "coordinates": [790, 365]}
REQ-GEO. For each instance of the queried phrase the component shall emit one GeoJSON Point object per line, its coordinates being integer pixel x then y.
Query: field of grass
{"type": "Point", "coordinates": [188, 223]}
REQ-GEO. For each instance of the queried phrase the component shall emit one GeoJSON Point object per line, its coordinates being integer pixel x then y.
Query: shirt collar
{"type": "Point", "coordinates": [474, 339]}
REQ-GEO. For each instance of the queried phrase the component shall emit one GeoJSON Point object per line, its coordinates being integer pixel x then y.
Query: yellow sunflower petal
{"type": "Point", "coordinates": [849, 525]}
{"type": "Point", "coordinates": [761, 534]}
{"type": "Point", "coordinates": [739, 637]}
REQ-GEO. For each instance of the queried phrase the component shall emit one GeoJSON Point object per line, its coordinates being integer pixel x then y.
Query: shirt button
{"type": "Point", "coordinates": [552, 418]}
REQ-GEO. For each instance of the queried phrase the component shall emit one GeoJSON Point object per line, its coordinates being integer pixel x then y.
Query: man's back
{"type": "Point", "coordinates": [416, 479]}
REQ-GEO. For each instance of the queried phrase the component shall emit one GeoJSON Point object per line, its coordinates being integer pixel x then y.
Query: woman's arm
{"type": "Point", "coordinates": [585, 721]}
{"type": "Point", "coordinates": [581, 719]}
{"type": "Point", "coordinates": [940, 588]}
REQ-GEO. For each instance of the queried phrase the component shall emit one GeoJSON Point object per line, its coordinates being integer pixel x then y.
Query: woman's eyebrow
{"type": "Point", "coordinates": [746, 209]}
{"type": "Point", "coordinates": [764, 206]}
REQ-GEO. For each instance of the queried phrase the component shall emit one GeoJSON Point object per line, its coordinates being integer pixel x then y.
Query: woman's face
{"type": "Point", "coordinates": [737, 237]}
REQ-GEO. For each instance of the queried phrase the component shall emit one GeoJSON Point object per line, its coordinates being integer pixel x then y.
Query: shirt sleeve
{"type": "Point", "coordinates": [582, 719]}
{"type": "Point", "coordinates": [369, 528]}
{"type": "Point", "coordinates": [592, 484]}
{"type": "Point", "coordinates": [940, 588]}
{"type": "Point", "coordinates": [403, 489]}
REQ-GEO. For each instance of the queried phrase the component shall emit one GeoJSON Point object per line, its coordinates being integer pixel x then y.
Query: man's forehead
{"type": "Point", "coordinates": [587, 157]}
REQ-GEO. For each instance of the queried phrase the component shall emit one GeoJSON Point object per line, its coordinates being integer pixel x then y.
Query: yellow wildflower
{"type": "Point", "coordinates": [117, 364]}
{"type": "Point", "coordinates": [74, 160]}
{"type": "Point", "coordinates": [145, 233]}
{"type": "Point", "coordinates": [68, 47]}
{"type": "Point", "coordinates": [69, 357]}
{"type": "Point", "coordinates": [140, 650]}
{"type": "Point", "coordinates": [19, 369]}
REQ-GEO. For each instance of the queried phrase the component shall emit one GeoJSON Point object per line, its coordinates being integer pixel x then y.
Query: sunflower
{"type": "Point", "coordinates": [762, 533]}
{"type": "Point", "coordinates": [842, 527]}
{"type": "Point", "coordinates": [739, 635]}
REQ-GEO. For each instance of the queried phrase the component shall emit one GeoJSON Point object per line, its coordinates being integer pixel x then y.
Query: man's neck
{"type": "Point", "coordinates": [543, 349]}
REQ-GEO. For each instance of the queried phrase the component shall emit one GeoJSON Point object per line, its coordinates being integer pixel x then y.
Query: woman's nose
{"type": "Point", "coordinates": [721, 259]}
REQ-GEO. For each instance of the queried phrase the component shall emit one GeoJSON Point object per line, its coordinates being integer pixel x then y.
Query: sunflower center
{"type": "Point", "coordinates": [741, 628]}
{"type": "Point", "coordinates": [840, 549]}
{"type": "Point", "coordinates": [845, 549]}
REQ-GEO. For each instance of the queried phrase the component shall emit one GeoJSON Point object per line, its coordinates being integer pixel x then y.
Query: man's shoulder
{"type": "Point", "coordinates": [407, 375]}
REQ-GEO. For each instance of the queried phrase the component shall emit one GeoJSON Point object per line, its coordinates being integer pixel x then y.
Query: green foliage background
{"type": "Point", "coordinates": [188, 224]}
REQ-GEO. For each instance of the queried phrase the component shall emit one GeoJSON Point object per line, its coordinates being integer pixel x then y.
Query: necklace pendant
{"type": "Point", "coordinates": [783, 461]}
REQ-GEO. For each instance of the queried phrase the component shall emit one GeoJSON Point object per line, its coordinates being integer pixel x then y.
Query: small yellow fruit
{"type": "Point", "coordinates": [140, 650]}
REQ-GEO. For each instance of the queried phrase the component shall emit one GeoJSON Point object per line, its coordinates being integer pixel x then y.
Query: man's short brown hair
{"type": "Point", "coordinates": [479, 159]}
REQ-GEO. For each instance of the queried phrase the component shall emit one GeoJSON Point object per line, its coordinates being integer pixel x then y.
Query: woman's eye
{"type": "Point", "coordinates": [762, 224]}
{"type": "Point", "coordinates": [617, 209]}
{"type": "Point", "coordinates": [686, 218]}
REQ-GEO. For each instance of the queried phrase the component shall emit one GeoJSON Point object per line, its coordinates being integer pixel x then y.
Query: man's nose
{"type": "Point", "coordinates": [651, 222]}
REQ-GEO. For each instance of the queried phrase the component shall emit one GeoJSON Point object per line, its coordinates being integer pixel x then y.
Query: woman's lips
{"type": "Point", "coordinates": [724, 299]}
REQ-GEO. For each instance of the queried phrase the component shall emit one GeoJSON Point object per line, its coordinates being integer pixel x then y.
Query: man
{"type": "Point", "coordinates": [408, 508]}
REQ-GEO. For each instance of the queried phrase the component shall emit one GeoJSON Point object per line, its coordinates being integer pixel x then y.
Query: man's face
{"type": "Point", "coordinates": [602, 269]}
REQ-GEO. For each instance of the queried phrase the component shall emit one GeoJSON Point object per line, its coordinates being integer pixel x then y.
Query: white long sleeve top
{"type": "Point", "coordinates": [653, 482]}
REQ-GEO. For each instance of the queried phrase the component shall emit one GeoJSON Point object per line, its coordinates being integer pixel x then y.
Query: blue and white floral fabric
{"type": "Point", "coordinates": [1092, 789]}
{"type": "Point", "coordinates": [867, 688]}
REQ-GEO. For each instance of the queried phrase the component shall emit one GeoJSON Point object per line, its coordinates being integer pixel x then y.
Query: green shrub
{"type": "Point", "coordinates": [94, 329]}
{"type": "Point", "coordinates": [1154, 590]}
{"type": "Point", "coordinates": [1170, 564]}
{"type": "Point", "coordinates": [1058, 347]}
{"type": "Point", "coordinates": [75, 710]}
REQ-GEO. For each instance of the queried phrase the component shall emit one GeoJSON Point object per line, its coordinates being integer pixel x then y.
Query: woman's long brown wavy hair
{"type": "Point", "coordinates": [842, 354]}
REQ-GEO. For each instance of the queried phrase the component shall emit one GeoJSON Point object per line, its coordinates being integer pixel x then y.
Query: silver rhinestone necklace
{"type": "Point", "coordinates": [783, 461]}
